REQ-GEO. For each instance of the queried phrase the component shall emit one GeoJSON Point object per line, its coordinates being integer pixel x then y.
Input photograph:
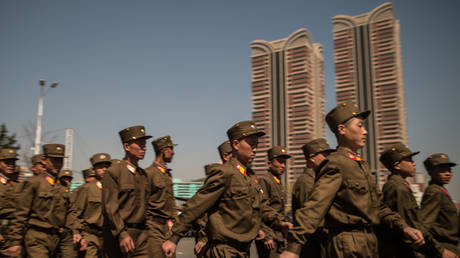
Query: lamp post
{"type": "Point", "coordinates": [38, 131]}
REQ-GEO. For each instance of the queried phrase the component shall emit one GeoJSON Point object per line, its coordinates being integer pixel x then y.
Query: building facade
{"type": "Point", "coordinates": [368, 70]}
{"type": "Point", "coordinates": [287, 97]}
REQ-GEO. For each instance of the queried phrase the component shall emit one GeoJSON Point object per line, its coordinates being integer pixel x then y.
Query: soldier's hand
{"type": "Point", "coordinates": [170, 224]}
{"type": "Point", "coordinates": [76, 238]}
{"type": "Point", "coordinates": [83, 244]}
{"type": "Point", "coordinates": [169, 248]}
{"type": "Point", "coordinates": [260, 235]}
{"type": "Point", "coordinates": [446, 253]}
{"type": "Point", "coordinates": [287, 254]}
{"type": "Point", "coordinates": [199, 246]}
{"type": "Point", "coordinates": [15, 251]}
{"type": "Point", "coordinates": [285, 226]}
{"type": "Point", "coordinates": [127, 245]}
{"type": "Point", "coordinates": [269, 244]}
{"type": "Point", "coordinates": [1, 237]}
{"type": "Point", "coordinates": [415, 236]}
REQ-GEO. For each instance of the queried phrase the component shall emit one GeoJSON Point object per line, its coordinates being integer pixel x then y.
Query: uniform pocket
{"type": "Point", "coordinates": [357, 186]}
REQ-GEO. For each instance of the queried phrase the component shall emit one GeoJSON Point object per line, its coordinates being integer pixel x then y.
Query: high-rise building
{"type": "Point", "coordinates": [368, 69]}
{"type": "Point", "coordinates": [287, 97]}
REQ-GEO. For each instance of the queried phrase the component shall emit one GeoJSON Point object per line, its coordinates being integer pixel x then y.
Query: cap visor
{"type": "Point", "coordinates": [411, 155]}
{"type": "Point", "coordinates": [364, 114]}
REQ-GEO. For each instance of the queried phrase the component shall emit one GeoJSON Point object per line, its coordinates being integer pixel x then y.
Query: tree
{"type": "Point", "coordinates": [6, 140]}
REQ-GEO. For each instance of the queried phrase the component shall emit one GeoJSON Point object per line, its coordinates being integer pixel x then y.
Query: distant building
{"type": "Point", "coordinates": [287, 97]}
{"type": "Point", "coordinates": [184, 190]}
{"type": "Point", "coordinates": [75, 184]}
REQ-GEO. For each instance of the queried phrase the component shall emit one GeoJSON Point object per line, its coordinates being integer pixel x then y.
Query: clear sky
{"type": "Point", "coordinates": [182, 68]}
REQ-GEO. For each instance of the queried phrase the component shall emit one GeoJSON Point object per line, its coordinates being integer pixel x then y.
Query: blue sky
{"type": "Point", "coordinates": [182, 68]}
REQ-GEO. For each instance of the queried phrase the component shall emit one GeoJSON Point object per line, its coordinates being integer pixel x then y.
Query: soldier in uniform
{"type": "Point", "coordinates": [346, 196]}
{"type": "Point", "coordinates": [438, 212]}
{"type": "Point", "coordinates": [233, 200]}
{"type": "Point", "coordinates": [201, 239]}
{"type": "Point", "coordinates": [66, 246]}
{"type": "Point", "coordinates": [88, 207]}
{"type": "Point", "coordinates": [37, 165]}
{"type": "Point", "coordinates": [161, 205]}
{"type": "Point", "coordinates": [124, 189]}
{"type": "Point", "coordinates": [44, 210]}
{"type": "Point", "coordinates": [273, 243]}
{"type": "Point", "coordinates": [315, 153]}
{"type": "Point", "coordinates": [89, 175]}
{"type": "Point", "coordinates": [8, 191]}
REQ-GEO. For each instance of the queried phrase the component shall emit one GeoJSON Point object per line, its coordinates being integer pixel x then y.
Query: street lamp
{"type": "Point", "coordinates": [38, 131]}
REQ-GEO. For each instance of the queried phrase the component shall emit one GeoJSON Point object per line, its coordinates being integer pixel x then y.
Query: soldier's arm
{"type": "Point", "coordinates": [110, 191]}
{"type": "Point", "coordinates": [200, 225]}
{"type": "Point", "coordinates": [201, 202]}
{"type": "Point", "coordinates": [21, 216]}
{"type": "Point", "coordinates": [309, 217]}
{"type": "Point", "coordinates": [390, 218]}
{"type": "Point", "coordinates": [79, 199]}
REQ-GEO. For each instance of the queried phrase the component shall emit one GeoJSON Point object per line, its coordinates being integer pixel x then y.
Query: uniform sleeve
{"type": "Point", "coordinates": [399, 200]}
{"type": "Point", "coordinates": [22, 213]}
{"type": "Point", "coordinates": [300, 195]}
{"type": "Point", "coordinates": [309, 217]}
{"type": "Point", "coordinates": [79, 200]}
{"type": "Point", "coordinates": [200, 225]}
{"type": "Point", "coordinates": [110, 191]}
{"type": "Point", "coordinates": [202, 201]}
{"type": "Point", "coordinates": [390, 218]}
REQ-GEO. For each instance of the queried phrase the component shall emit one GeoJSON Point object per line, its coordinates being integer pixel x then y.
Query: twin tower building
{"type": "Point", "coordinates": [288, 87]}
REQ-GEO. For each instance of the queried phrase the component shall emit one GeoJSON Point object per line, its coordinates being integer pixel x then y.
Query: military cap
{"type": "Point", "coordinates": [342, 113]}
{"type": "Point", "coordinates": [243, 129]}
{"type": "Point", "coordinates": [37, 159]}
{"type": "Point", "coordinates": [396, 153]}
{"type": "Point", "coordinates": [89, 172]}
{"type": "Point", "coordinates": [65, 172]}
{"type": "Point", "coordinates": [224, 148]}
{"type": "Point", "coordinates": [162, 142]}
{"type": "Point", "coordinates": [277, 151]}
{"type": "Point", "coordinates": [436, 160]}
{"type": "Point", "coordinates": [315, 146]}
{"type": "Point", "coordinates": [133, 133]}
{"type": "Point", "coordinates": [100, 158]}
{"type": "Point", "coordinates": [54, 150]}
{"type": "Point", "coordinates": [8, 153]}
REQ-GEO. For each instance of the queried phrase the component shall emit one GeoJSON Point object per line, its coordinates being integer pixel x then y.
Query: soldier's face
{"type": "Point", "coordinates": [315, 159]}
{"type": "Point", "coordinates": [406, 167]}
{"type": "Point", "coordinates": [7, 166]}
{"type": "Point", "coordinates": [354, 133]}
{"type": "Point", "coordinates": [277, 166]}
{"type": "Point", "coordinates": [100, 169]}
{"type": "Point", "coordinates": [53, 164]}
{"type": "Point", "coordinates": [38, 168]}
{"type": "Point", "coordinates": [136, 148]}
{"type": "Point", "coordinates": [226, 157]}
{"type": "Point", "coordinates": [168, 154]}
{"type": "Point", "coordinates": [246, 149]}
{"type": "Point", "coordinates": [441, 174]}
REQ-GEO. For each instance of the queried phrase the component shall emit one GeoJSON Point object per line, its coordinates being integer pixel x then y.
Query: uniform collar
{"type": "Point", "coordinates": [350, 154]}
{"type": "Point", "coordinates": [163, 168]}
{"type": "Point", "coordinates": [444, 190]}
{"type": "Point", "coordinates": [240, 167]}
{"type": "Point", "coordinates": [400, 179]}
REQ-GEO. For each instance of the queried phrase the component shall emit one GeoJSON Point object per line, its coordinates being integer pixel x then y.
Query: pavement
{"type": "Point", "coordinates": [185, 248]}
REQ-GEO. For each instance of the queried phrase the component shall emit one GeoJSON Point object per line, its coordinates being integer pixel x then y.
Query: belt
{"type": "Point", "coordinates": [240, 246]}
{"type": "Point", "coordinates": [136, 225]}
{"type": "Point", "coordinates": [53, 231]}
{"type": "Point", "coordinates": [351, 228]}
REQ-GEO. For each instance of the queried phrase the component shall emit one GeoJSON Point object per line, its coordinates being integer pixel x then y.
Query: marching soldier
{"type": "Point", "coordinates": [345, 195]}
{"type": "Point", "coordinates": [124, 189]}
{"type": "Point", "coordinates": [66, 246]}
{"type": "Point", "coordinates": [88, 206]}
{"type": "Point", "coordinates": [273, 243]}
{"type": "Point", "coordinates": [315, 153]}
{"type": "Point", "coordinates": [37, 165]}
{"type": "Point", "coordinates": [161, 205]}
{"type": "Point", "coordinates": [8, 192]}
{"type": "Point", "coordinates": [44, 210]}
{"type": "Point", "coordinates": [438, 212]}
{"type": "Point", "coordinates": [232, 199]}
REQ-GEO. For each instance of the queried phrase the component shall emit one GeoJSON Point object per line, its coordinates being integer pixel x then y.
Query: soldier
{"type": "Point", "coordinates": [346, 196]}
{"type": "Point", "coordinates": [232, 199]}
{"type": "Point", "coordinates": [37, 165]}
{"type": "Point", "coordinates": [44, 209]}
{"type": "Point", "coordinates": [273, 243]}
{"type": "Point", "coordinates": [89, 175]}
{"type": "Point", "coordinates": [65, 178]}
{"type": "Point", "coordinates": [201, 239]}
{"type": "Point", "coordinates": [88, 206]}
{"type": "Point", "coordinates": [123, 198]}
{"type": "Point", "coordinates": [315, 153]}
{"type": "Point", "coordinates": [438, 212]}
{"type": "Point", "coordinates": [66, 246]}
{"type": "Point", "coordinates": [8, 191]}
{"type": "Point", "coordinates": [161, 205]}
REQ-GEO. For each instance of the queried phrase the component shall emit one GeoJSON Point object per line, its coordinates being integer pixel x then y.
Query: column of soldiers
{"type": "Point", "coordinates": [125, 211]}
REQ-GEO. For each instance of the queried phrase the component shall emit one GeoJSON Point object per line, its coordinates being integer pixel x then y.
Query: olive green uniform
{"type": "Point", "coordinates": [234, 203]}
{"type": "Point", "coordinates": [42, 213]}
{"type": "Point", "coordinates": [8, 200]}
{"type": "Point", "coordinates": [346, 196]}
{"type": "Point", "coordinates": [439, 215]}
{"type": "Point", "coordinates": [124, 201]}
{"type": "Point", "coordinates": [273, 191]}
{"type": "Point", "coordinates": [161, 207]}
{"type": "Point", "coordinates": [88, 210]}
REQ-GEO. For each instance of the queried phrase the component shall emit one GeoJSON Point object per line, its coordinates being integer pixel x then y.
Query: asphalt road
{"type": "Point", "coordinates": [185, 248]}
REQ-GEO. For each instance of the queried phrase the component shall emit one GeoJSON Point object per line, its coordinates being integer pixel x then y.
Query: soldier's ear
{"type": "Point", "coordinates": [236, 144]}
{"type": "Point", "coordinates": [397, 165]}
{"type": "Point", "coordinates": [341, 129]}
{"type": "Point", "coordinates": [126, 146]}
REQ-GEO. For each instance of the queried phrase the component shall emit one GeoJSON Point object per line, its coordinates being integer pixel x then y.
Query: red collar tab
{"type": "Point", "coordinates": [131, 168]}
{"type": "Point", "coordinates": [408, 186]}
{"type": "Point", "coordinates": [444, 191]}
{"type": "Point", "coordinates": [50, 180]}
{"type": "Point", "coordinates": [162, 169]}
{"type": "Point", "coordinates": [99, 185]}
{"type": "Point", "coordinates": [241, 169]}
{"type": "Point", "coordinates": [277, 180]}
{"type": "Point", "coordinates": [354, 157]}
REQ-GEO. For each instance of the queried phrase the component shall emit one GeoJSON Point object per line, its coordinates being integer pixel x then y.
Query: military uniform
{"type": "Point", "coordinates": [66, 245]}
{"type": "Point", "coordinates": [124, 188]}
{"type": "Point", "coordinates": [438, 212]}
{"type": "Point", "coordinates": [346, 196]}
{"type": "Point", "coordinates": [43, 211]}
{"type": "Point", "coordinates": [233, 200]}
{"type": "Point", "coordinates": [8, 201]}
